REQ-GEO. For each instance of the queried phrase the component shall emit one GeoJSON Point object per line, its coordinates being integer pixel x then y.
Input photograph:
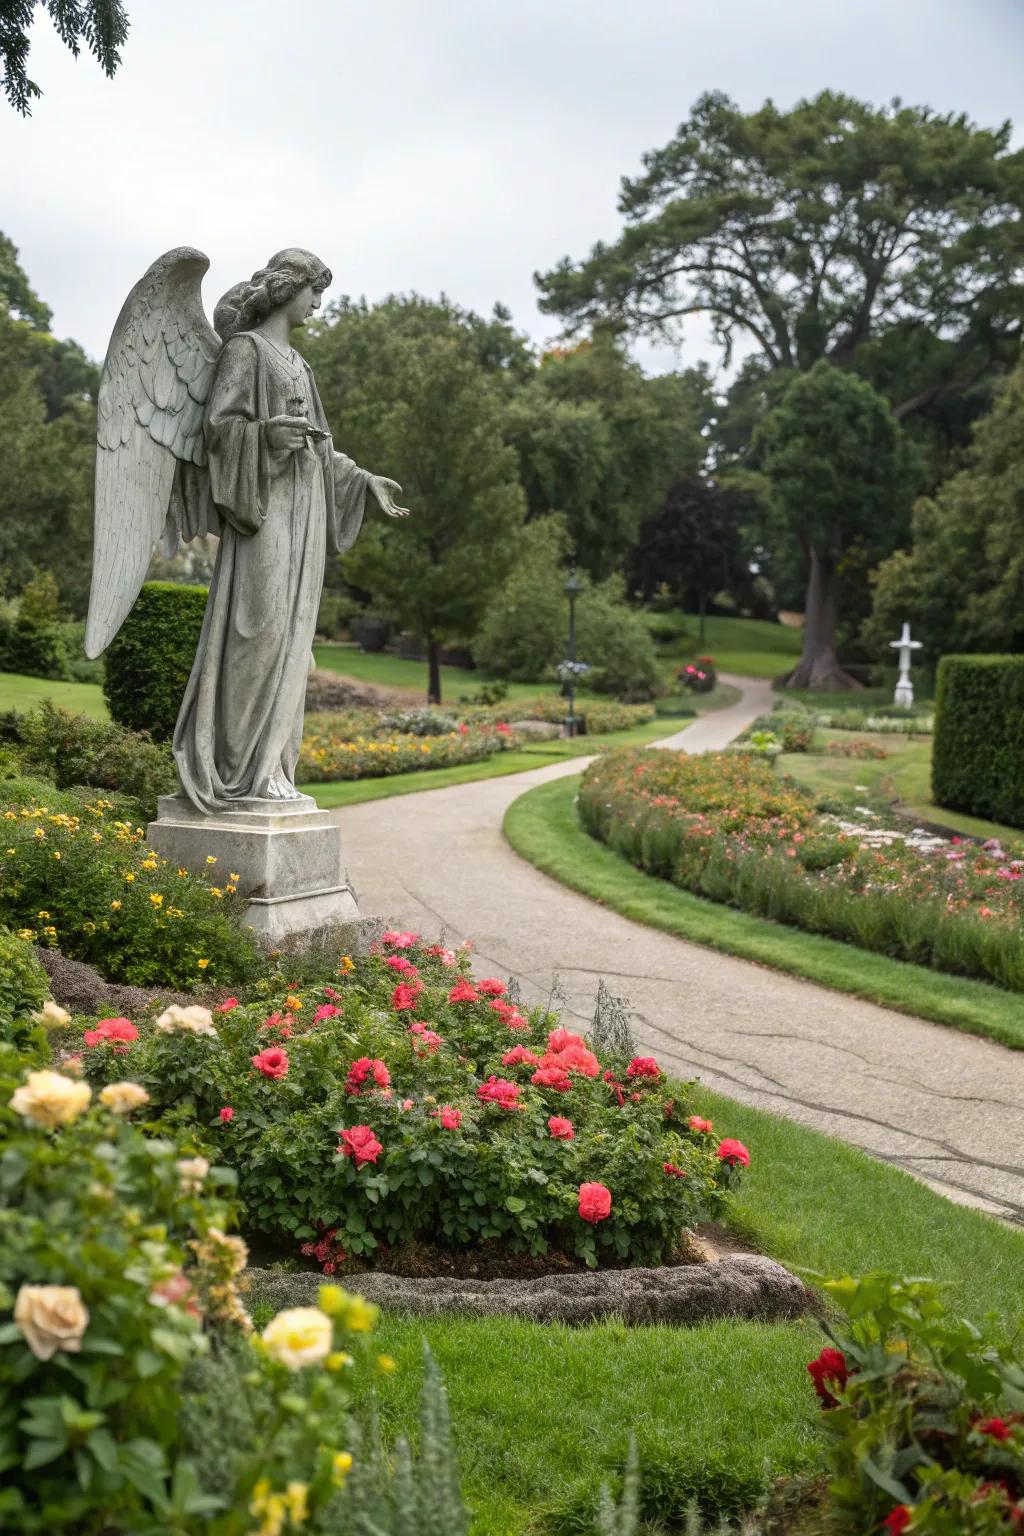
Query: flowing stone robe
{"type": "Point", "coordinates": [240, 725]}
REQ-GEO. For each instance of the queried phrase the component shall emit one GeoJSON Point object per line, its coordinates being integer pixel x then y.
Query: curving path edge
{"type": "Point", "coordinates": [945, 1106]}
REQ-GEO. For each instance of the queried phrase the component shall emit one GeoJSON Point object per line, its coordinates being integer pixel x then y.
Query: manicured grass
{"type": "Point", "coordinates": [390, 671]}
{"type": "Point", "coordinates": [542, 826]}
{"type": "Point", "coordinates": [25, 693]}
{"type": "Point", "coordinates": [747, 647]}
{"type": "Point", "coordinates": [905, 775]}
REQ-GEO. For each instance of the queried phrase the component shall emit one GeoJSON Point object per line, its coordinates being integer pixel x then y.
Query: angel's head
{"type": "Point", "coordinates": [294, 280]}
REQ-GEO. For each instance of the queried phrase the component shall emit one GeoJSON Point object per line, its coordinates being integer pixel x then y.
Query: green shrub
{"type": "Point", "coordinates": [598, 717]}
{"type": "Point", "coordinates": [148, 1367]}
{"type": "Point", "coordinates": [978, 749]}
{"type": "Point", "coordinates": [523, 634]}
{"type": "Point", "coordinates": [86, 883]}
{"type": "Point", "coordinates": [924, 1422]}
{"type": "Point", "coordinates": [615, 642]}
{"type": "Point", "coordinates": [450, 1132]}
{"type": "Point", "coordinates": [149, 660]}
{"type": "Point", "coordinates": [34, 650]}
{"type": "Point", "coordinates": [74, 749]}
{"type": "Point", "coordinates": [24, 985]}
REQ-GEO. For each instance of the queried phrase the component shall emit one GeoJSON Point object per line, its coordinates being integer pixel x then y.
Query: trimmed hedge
{"type": "Point", "coordinates": [978, 747]}
{"type": "Point", "coordinates": [149, 660]}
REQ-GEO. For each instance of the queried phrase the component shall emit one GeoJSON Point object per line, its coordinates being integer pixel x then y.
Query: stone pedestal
{"type": "Point", "coordinates": [287, 858]}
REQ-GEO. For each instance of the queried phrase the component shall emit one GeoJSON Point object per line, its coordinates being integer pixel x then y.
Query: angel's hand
{"type": "Point", "coordinates": [287, 433]}
{"type": "Point", "coordinates": [385, 490]}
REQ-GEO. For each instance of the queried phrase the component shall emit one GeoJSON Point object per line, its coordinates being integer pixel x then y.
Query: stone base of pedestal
{"type": "Point", "coordinates": [287, 859]}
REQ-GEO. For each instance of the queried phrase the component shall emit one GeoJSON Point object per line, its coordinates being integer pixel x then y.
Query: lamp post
{"type": "Point", "coordinates": [573, 588]}
{"type": "Point", "coordinates": [904, 695]}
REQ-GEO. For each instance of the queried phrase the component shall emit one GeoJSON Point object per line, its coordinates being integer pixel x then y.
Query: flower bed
{"type": "Point", "coordinates": [598, 716]}
{"type": "Point", "coordinates": [725, 826]}
{"type": "Point", "coordinates": [86, 883]}
{"type": "Point", "coordinates": [403, 1103]}
{"type": "Point", "coordinates": [334, 748]}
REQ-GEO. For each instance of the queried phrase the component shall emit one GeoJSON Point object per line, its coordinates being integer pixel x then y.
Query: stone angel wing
{"type": "Point", "coordinates": [150, 455]}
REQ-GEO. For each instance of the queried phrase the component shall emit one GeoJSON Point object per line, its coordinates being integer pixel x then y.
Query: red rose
{"type": "Point", "coordinates": [492, 986]}
{"type": "Point", "coordinates": [518, 1054]}
{"type": "Point", "coordinates": [595, 1202]}
{"type": "Point", "coordinates": [560, 1128]}
{"type": "Point", "coordinates": [227, 1005]}
{"type": "Point", "coordinates": [552, 1077]}
{"type": "Point", "coordinates": [398, 940]}
{"type": "Point", "coordinates": [227, 1114]}
{"type": "Point", "coordinates": [897, 1520]}
{"type": "Point", "coordinates": [559, 1039]}
{"type": "Point", "coordinates": [367, 1067]}
{"type": "Point", "coordinates": [733, 1152]}
{"type": "Point", "coordinates": [405, 994]}
{"type": "Point", "coordinates": [697, 1124]}
{"type": "Point", "coordinates": [643, 1066]}
{"type": "Point", "coordinates": [325, 1011]}
{"type": "Point", "coordinates": [997, 1429]}
{"type": "Point", "coordinates": [400, 963]}
{"type": "Point", "coordinates": [574, 1058]}
{"type": "Point", "coordinates": [273, 1062]}
{"type": "Point", "coordinates": [830, 1366]}
{"type": "Point", "coordinates": [498, 1090]}
{"type": "Point", "coordinates": [677, 1173]}
{"type": "Point", "coordinates": [451, 1119]}
{"type": "Point", "coordinates": [111, 1029]}
{"type": "Point", "coordinates": [360, 1143]}
{"type": "Point", "coordinates": [462, 992]}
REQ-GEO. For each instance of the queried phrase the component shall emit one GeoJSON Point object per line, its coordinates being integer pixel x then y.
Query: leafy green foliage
{"type": "Point", "coordinates": [978, 750]}
{"type": "Point", "coordinates": [101, 24]}
{"type": "Point", "coordinates": [335, 748]}
{"type": "Point", "coordinates": [150, 658]}
{"type": "Point", "coordinates": [930, 1417]}
{"type": "Point", "coordinates": [23, 985]}
{"type": "Point", "coordinates": [84, 881]}
{"type": "Point", "coordinates": [74, 750]}
{"type": "Point", "coordinates": [451, 1157]}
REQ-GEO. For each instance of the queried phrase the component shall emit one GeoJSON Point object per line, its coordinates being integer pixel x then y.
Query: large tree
{"type": "Point", "coordinates": [834, 459]}
{"type": "Point", "coordinates": [694, 545]}
{"type": "Point", "coordinates": [820, 232]}
{"type": "Point", "coordinates": [406, 393]}
{"type": "Point", "coordinates": [102, 25]}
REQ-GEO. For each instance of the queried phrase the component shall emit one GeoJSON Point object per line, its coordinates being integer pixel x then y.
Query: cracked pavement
{"type": "Point", "coordinates": [945, 1106]}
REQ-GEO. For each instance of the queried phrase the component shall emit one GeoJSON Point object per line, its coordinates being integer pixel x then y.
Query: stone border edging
{"type": "Point", "coordinates": [743, 1286]}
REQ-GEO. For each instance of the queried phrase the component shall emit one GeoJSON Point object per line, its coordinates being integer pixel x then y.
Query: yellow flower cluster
{"type": "Point", "coordinates": [276, 1510]}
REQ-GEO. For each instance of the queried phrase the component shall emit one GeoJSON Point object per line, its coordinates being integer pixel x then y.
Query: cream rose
{"type": "Point", "coordinates": [298, 1337]}
{"type": "Point", "coordinates": [51, 1317]}
{"type": "Point", "coordinates": [189, 1021]}
{"type": "Point", "coordinates": [50, 1099]}
{"type": "Point", "coordinates": [192, 1171]}
{"type": "Point", "coordinates": [52, 1015]}
{"type": "Point", "coordinates": [122, 1098]}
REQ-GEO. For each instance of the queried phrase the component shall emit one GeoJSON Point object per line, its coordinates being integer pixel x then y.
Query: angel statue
{"type": "Point", "coordinates": [220, 430]}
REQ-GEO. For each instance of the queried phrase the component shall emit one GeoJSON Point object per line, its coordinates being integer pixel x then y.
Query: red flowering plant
{"type": "Point", "coordinates": [924, 1416]}
{"type": "Point", "coordinates": [468, 1119]}
{"type": "Point", "coordinates": [725, 826]}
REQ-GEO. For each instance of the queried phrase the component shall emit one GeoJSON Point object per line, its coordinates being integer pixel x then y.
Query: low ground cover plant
{"type": "Point", "coordinates": [402, 1103]}
{"type": "Point", "coordinates": [135, 1395]}
{"type": "Point", "coordinates": [725, 826]}
{"type": "Point", "coordinates": [924, 1415]}
{"type": "Point", "coordinates": [85, 882]}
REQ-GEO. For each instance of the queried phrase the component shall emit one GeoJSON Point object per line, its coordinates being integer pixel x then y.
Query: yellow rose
{"type": "Point", "coordinates": [190, 1021]}
{"type": "Point", "coordinates": [52, 1015]}
{"type": "Point", "coordinates": [296, 1498]}
{"type": "Point", "coordinates": [51, 1317]}
{"type": "Point", "coordinates": [338, 1360]}
{"type": "Point", "coordinates": [298, 1337]}
{"type": "Point", "coordinates": [341, 1466]}
{"type": "Point", "coordinates": [50, 1099]}
{"type": "Point", "coordinates": [386, 1365]}
{"type": "Point", "coordinates": [122, 1098]}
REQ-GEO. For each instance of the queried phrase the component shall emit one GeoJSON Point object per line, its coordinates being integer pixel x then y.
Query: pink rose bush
{"type": "Point", "coordinates": [409, 1102]}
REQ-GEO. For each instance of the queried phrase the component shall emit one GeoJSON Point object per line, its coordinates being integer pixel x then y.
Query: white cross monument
{"type": "Point", "coordinates": [904, 695]}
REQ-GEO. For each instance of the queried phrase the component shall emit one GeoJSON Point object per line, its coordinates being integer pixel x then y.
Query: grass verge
{"type": "Point", "coordinates": [25, 693]}
{"type": "Point", "coordinates": [542, 827]}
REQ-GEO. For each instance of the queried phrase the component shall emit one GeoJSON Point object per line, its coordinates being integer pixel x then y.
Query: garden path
{"type": "Point", "coordinates": [947, 1107]}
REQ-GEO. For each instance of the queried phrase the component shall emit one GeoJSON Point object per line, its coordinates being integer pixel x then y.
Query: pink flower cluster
{"type": "Point", "coordinates": [367, 1067]}
{"type": "Point", "coordinates": [119, 1033]}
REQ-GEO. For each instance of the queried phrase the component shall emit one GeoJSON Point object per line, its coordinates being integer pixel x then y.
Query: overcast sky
{"type": "Point", "coordinates": [452, 147]}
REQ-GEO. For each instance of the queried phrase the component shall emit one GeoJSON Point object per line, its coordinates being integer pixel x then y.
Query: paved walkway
{"type": "Point", "coordinates": [946, 1106]}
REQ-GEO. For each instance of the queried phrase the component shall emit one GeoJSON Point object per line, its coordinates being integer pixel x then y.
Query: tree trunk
{"type": "Point", "coordinates": [433, 671]}
{"type": "Point", "coordinates": [819, 665]}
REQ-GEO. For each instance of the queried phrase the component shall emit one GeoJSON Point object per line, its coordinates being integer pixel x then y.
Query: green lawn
{"type": "Point", "coordinates": [747, 647]}
{"type": "Point", "coordinates": [542, 826]}
{"type": "Point", "coordinates": [25, 693]}
{"type": "Point", "coordinates": [390, 671]}
{"type": "Point", "coordinates": [904, 776]}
